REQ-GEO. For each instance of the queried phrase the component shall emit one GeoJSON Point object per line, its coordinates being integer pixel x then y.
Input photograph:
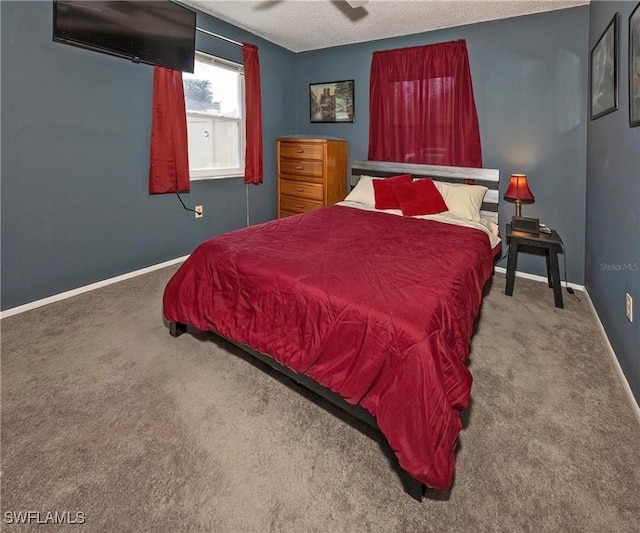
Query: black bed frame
{"type": "Point", "coordinates": [411, 486]}
{"type": "Point", "coordinates": [480, 176]}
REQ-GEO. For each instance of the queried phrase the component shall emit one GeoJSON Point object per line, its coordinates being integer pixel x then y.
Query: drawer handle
{"type": "Point", "coordinates": [299, 168]}
{"type": "Point", "coordinates": [300, 189]}
{"type": "Point", "coordinates": [300, 151]}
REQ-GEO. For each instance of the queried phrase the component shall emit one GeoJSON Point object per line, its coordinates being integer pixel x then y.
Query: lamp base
{"type": "Point", "coordinates": [525, 225]}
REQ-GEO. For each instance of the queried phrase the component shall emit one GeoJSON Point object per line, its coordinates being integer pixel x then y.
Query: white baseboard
{"type": "Point", "coordinates": [632, 400]}
{"type": "Point", "coordinates": [93, 286]}
{"type": "Point", "coordinates": [534, 277]}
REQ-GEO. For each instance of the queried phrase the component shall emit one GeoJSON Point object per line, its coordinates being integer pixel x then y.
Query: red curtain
{"type": "Point", "coordinates": [169, 159]}
{"type": "Point", "coordinates": [253, 172]}
{"type": "Point", "coordinates": [421, 107]}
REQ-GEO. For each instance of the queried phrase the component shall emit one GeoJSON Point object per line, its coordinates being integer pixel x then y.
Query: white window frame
{"type": "Point", "coordinates": [233, 172]}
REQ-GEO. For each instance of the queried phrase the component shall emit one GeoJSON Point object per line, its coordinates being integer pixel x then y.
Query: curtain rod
{"type": "Point", "coordinates": [218, 36]}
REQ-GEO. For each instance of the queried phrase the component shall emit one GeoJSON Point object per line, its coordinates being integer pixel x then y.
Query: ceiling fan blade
{"type": "Point", "coordinates": [356, 3]}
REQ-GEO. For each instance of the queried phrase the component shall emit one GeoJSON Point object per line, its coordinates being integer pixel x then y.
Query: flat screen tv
{"type": "Point", "coordinates": [154, 32]}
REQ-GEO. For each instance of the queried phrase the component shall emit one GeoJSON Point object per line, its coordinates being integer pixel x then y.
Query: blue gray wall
{"type": "Point", "coordinates": [75, 127]}
{"type": "Point", "coordinates": [75, 148]}
{"type": "Point", "coordinates": [530, 85]}
{"type": "Point", "coordinates": [612, 261]}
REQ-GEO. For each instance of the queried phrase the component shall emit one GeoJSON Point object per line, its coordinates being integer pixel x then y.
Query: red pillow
{"type": "Point", "coordinates": [383, 191]}
{"type": "Point", "coordinates": [420, 198]}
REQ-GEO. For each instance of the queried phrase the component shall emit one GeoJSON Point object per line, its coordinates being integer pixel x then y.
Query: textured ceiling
{"type": "Point", "coordinates": [301, 25]}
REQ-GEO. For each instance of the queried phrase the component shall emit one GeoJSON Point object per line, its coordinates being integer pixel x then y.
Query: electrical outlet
{"type": "Point", "coordinates": [629, 307]}
{"type": "Point", "coordinates": [199, 211]}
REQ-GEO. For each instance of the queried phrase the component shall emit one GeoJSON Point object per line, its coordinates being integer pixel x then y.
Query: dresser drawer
{"type": "Point", "coordinates": [299, 189]}
{"type": "Point", "coordinates": [284, 214]}
{"type": "Point", "coordinates": [298, 205]}
{"type": "Point", "coordinates": [312, 169]}
{"type": "Point", "coordinates": [301, 150]}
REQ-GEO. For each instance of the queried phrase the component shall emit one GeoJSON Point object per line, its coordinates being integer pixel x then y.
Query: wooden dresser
{"type": "Point", "coordinates": [312, 173]}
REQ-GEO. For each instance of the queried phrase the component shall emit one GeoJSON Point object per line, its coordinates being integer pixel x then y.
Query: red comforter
{"type": "Point", "coordinates": [376, 307]}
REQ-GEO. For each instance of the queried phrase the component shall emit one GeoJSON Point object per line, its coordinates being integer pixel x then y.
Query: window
{"type": "Point", "coordinates": [431, 99]}
{"type": "Point", "coordinates": [214, 97]}
{"type": "Point", "coordinates": [422, 108]}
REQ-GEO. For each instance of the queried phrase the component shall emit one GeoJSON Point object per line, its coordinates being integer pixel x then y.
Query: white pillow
{"type": "Point", "coordinates": [463, 201]}
{"type": "Point", "coordinates": [363, 192]}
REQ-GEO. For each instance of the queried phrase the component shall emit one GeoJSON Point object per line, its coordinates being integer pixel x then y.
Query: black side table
{"type": "Point", "coordinates": [550, 243]}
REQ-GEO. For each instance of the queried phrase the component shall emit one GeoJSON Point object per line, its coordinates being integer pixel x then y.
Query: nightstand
{"type": "Point", "coordinates": [550, 243]}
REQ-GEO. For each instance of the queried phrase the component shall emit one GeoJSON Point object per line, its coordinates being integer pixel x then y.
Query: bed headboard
{"type": "Point", "coordinates": [487, 177]}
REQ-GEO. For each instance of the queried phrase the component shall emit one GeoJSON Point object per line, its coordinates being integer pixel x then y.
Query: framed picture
{"type": "Point", "coordinates": [331, 102]}
{"type": "Point", "coordinates": [634, 67]}
{"type": "Point", "coordinates": [604, 72]}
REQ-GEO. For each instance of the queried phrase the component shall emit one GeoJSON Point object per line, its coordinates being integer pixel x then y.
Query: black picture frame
{"type": "Point", "coordinates": [332, 101]}
{"type": "Point", "coordinates": [634, 67]}
{"type": "Point", "coordinates": [603, 82]}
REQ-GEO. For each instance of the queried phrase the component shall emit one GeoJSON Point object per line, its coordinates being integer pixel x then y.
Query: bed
{"type": "Point", "coordinates": [370, 309]}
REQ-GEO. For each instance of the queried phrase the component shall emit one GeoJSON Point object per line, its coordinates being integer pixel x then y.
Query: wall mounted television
{"type": "Point", "coordinates": [153, 32]}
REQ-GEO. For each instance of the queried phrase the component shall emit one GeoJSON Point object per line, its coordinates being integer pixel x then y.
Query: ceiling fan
{"type": "Point", "coordinates": [355, 5]}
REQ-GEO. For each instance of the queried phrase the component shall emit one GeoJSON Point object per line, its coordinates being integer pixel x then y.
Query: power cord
{"type": "Point", "coordinates": [186, 208]}
{"type": "Point", "coordinates": [503, 257]}
{"type": "Point", "coordinates": [569, 290]}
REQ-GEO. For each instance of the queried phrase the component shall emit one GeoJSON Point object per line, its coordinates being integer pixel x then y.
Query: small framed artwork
{"type": "Point", "coordinates": [331, 101]}
{"type": "Point", "coordinates": [634, 67]}
{"type": "Point", "coordinates": [604, 72]}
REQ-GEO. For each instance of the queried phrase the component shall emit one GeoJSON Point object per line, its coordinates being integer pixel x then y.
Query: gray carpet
{"type": "Point", "coordinates": [104, 413]}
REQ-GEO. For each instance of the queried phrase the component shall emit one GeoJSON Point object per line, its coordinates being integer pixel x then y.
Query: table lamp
{"type": "Point", "coordinates": [519, 192]}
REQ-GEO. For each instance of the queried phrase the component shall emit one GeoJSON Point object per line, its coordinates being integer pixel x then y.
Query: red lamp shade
{"type": "Point", "coordinates": [518, 191]}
